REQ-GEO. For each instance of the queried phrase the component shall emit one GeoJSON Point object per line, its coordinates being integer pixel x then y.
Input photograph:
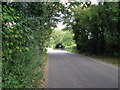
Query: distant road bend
{"type": "Point", "coordinates": [70, 70]}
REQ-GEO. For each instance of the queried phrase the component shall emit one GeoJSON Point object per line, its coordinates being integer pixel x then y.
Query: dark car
{"type": "Point", "coordinates": [59, 46]}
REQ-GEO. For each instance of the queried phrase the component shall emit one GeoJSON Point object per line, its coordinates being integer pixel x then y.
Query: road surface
{"type": "Point", "coordinates": [70, 70]}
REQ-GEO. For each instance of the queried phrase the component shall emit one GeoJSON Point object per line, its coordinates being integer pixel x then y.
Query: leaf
{"type": "Point", "coordinates": [16, 36]}
{"type": "Point", "coordinates": [27, 49]}
{"type": "Point", "coordinates": [10, 51]}
{"type": "Point", "coordinates": [17, 47]}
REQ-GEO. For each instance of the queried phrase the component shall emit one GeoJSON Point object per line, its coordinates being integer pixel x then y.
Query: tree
{"type": "Point", "coordinates": [95, 26]}
{"type": "Point", "coordinates": [62, 37]}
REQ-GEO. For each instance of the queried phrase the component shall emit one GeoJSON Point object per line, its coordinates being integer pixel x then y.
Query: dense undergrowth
{"type": "Point", "coordinates": [95, 29]}
{"type": "Point", "coordinates": [27, 28]}
{"type": "Point", "coordinates": [23, 49]}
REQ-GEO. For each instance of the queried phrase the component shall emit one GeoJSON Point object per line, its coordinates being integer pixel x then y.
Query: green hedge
{"type": "Point", "coordinates": [24, 44]}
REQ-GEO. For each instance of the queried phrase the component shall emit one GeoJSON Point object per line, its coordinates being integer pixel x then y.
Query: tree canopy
{"type": "Point", "coordinates": [27, 30]}
{"type": "Point", "coordinates": [95, 29]}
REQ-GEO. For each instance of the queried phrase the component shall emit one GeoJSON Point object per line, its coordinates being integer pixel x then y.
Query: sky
{"type": "Point", "coordinates": [60, 26]}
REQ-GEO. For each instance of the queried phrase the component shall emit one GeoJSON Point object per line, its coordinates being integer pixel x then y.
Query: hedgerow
{"type": "Point", "coordinates": [23, 44]}
{"type": "Point", "coordinates": [26, 30]}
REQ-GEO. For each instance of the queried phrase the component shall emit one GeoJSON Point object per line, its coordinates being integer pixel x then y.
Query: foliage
{"type": "Point", "coordinates": [26, 32]}
{"type": "Point", "coordinates": [62, 37]}
{"type": "Point", "coordinates": [19, 49]}
{"type": "Point", "coordinates": [95, 29]}
{"type": "Point", "coordinates": [67, 29]}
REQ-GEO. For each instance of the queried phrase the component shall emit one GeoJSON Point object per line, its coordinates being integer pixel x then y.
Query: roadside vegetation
{"type": "Point", "coordinates": [65, 38]}
{"type": "Point", "coordinates": [28, 30]}
{"type": "Point", "coordinates": [25, 35]}
{"type": "Point", "coordinates": [22, 49]}
{"type": "Point", "coordinates": [95, 31]}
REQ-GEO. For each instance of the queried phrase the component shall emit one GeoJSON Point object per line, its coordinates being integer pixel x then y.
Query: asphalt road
{"type": "Point", "coordinates": [70, 70]}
